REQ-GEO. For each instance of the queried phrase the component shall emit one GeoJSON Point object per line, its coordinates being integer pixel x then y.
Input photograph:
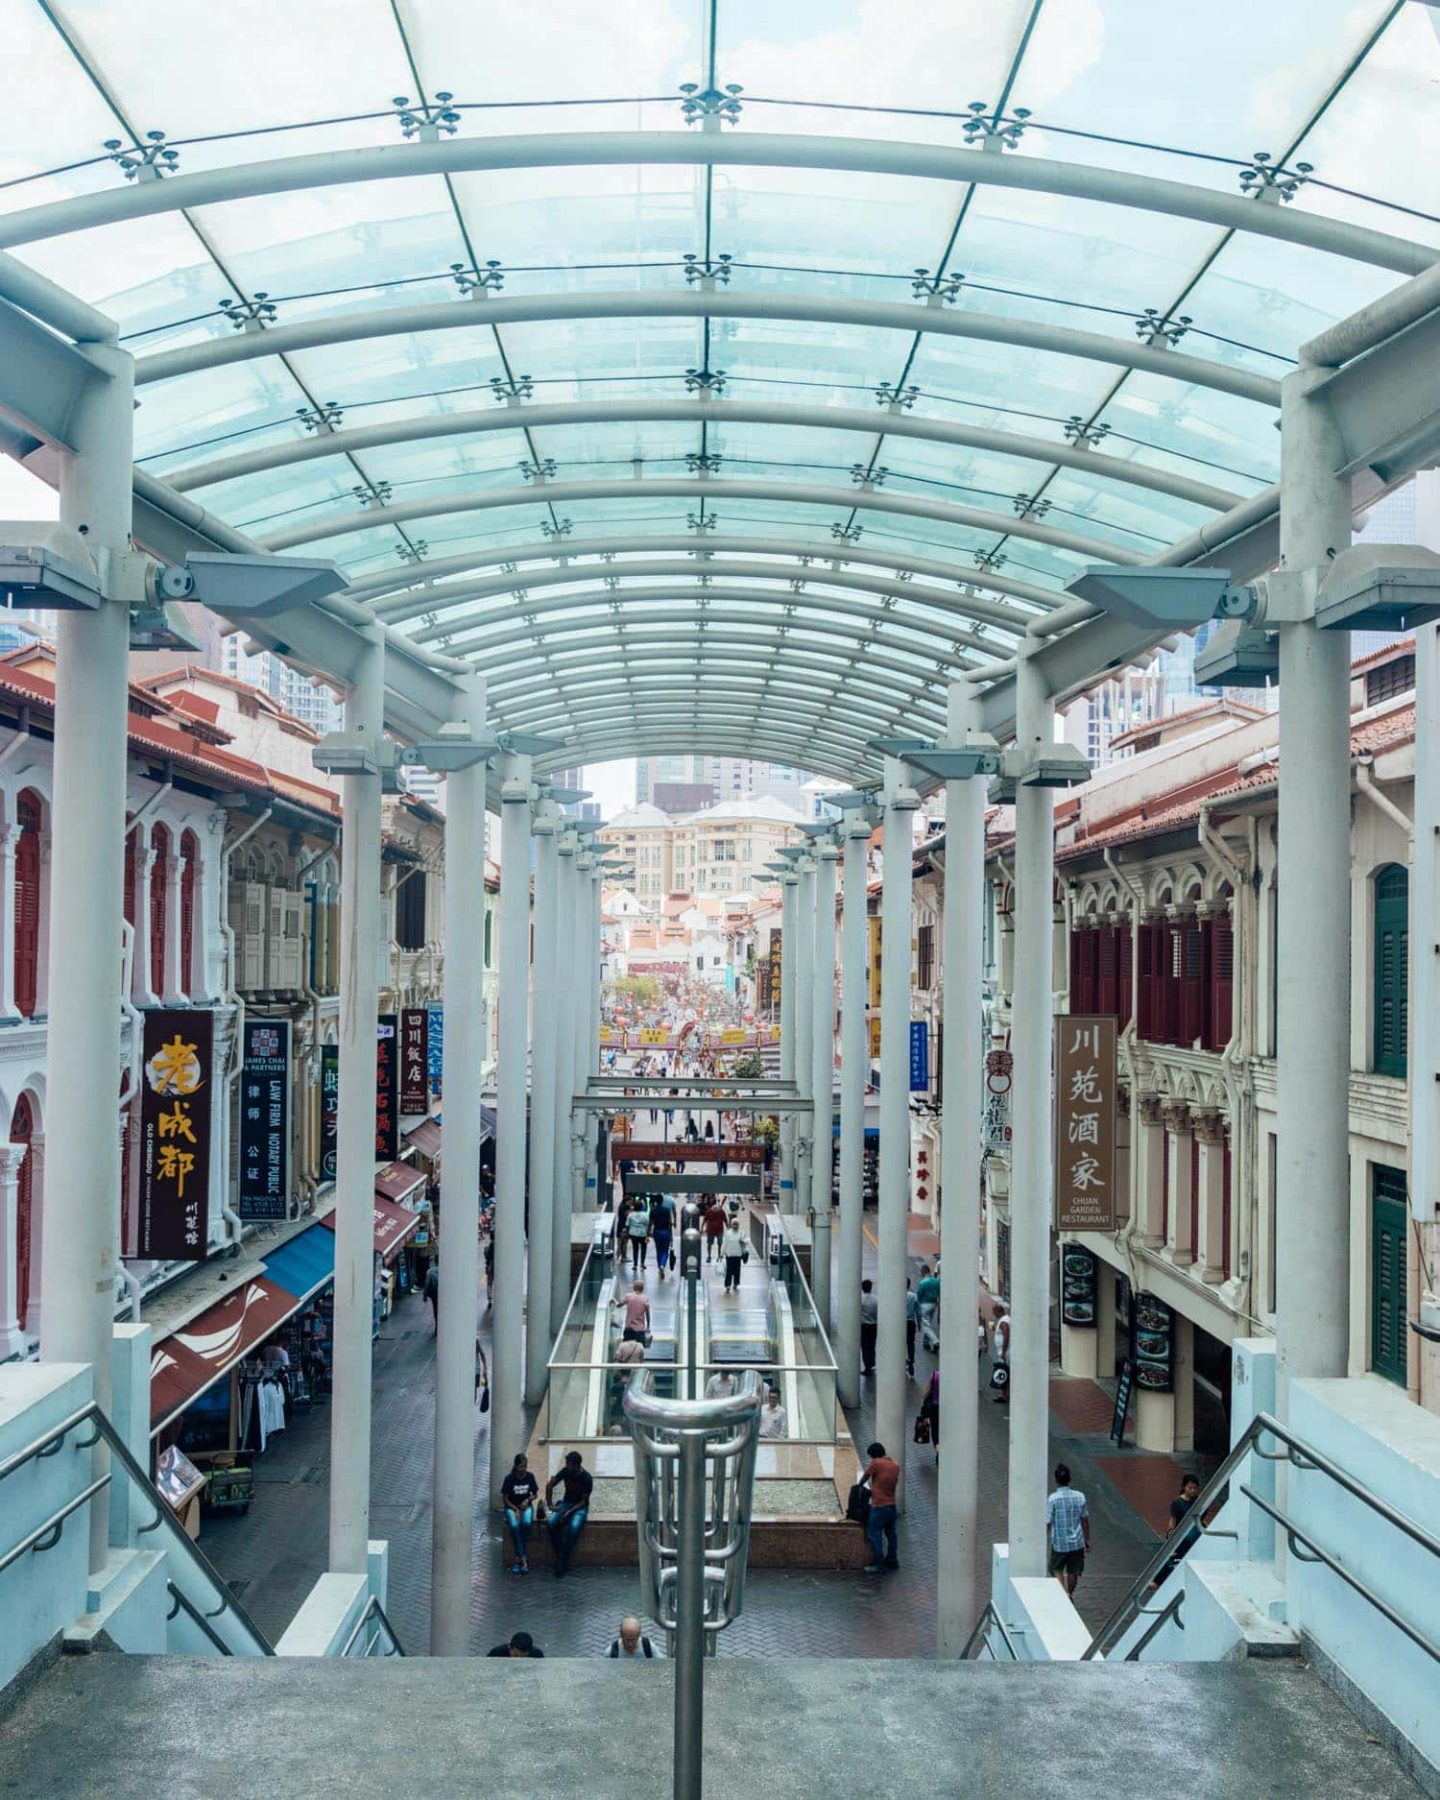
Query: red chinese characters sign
{"type": "Point", "coordinates": [414, 1061]}
{"type": "Point", "coordinates": [387, 1088]}
{"type": "Point", "coordinates": [1085, 1124]}
{"type": "Point", "coordinates": [177, 1083]}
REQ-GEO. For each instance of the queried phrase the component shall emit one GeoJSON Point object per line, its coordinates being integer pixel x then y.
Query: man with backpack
{"type": "Point", "coordinates": [631, 1644]}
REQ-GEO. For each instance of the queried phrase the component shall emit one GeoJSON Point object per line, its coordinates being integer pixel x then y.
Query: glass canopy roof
{"type": "Point", "coordinates": [760, 451]}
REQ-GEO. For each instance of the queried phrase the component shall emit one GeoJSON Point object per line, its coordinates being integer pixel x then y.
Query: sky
{"type": "Point", "coordinates": [612, 785]}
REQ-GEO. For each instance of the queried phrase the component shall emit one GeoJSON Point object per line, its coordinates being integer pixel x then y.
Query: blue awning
{"type": "Point", "coordinates": [304, 1265]}
{"type": "Point", "coordinates": [871, 1131]}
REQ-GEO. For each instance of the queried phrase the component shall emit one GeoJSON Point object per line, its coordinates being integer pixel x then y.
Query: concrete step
{"type": "Point", "coordinates": [131, 1727]}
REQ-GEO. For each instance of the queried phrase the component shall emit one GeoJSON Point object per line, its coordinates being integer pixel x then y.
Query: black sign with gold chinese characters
{"type": "Point", "coordinates": [387, 1088]}
{"type": "Point", "coordinates": [1085, 1124]}
{"type": "Point", "coordinates": [414, 1061]}
{"type": "Point", "coordinates": [264, 1188]}
{"type": "Point", "coordinates": [177, 1084]}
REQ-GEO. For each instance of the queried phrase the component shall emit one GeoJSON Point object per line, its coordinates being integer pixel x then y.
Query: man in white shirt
{"type": "Point", "coordinates": [772, 1416]}
{"type": "Point", "coordinates": [721, 1385]}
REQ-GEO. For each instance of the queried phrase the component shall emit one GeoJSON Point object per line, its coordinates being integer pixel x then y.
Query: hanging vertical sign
{"type": "Point", "coordinates": [178, 1081]}
{"type": "Point", "coordinates": [414, 1060]}
{"type": "Point", "coordinates": [919, 1056]}
{"type": "Point", "coordinates": [999, 1074]}
{"type": "Point", "coordinates": [1085, 1124]}
{"type": "Point", "coordinates": [329, 1108]}
{"type": "Point", "coordinates": [435, 1049]}
{"type": "Point", "coordinates": [387, 1088]}
{"type": "Point", "coordinates": [264, 1187]}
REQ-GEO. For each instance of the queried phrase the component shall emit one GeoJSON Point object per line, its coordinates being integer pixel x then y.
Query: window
{"type": "Point", "coordinates": [1220, 1012]}
{"type": "Point", "coordinates": [22, 1129]}
{"type": "Point", "coordinates": [190, 981]}
{"type": "Point", "coordinates": [1389, 1305]}
{"type": "Point", "coordinates": [159, 907]}
{"type": "Point", "coordinates": [1392, 960]}
{"type": "Point", "coordinates": [27, 907]}
{"type": "Point", "coordinates": [723, 850]}
{"type": "Point", "coordinates": [410, 911]}
{"type": "Point", "coordinates": [1394, 677]}
{"type": "Point", "coordinates": [925, 955]}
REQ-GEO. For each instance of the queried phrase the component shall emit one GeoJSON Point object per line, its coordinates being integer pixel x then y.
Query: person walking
{"type": "Point", "coordinates": [521, 1644]}
{"type": "Point", "coordinates": [927, 1299]}
{"type": "Point", "coordinates": [662, 1229]}
{"type": "Point", "coordinates": [518, 1493]}
{"type": "Point", "coordinates": [912, 1321]}
{"type": "Point", "coordinates": [637, 1315]}
{"type": "Point", "coordinates": [883, 1474]}
{"type": "Point", "coordinates": [733, 1249]}
{"type": "Point", "coordinates": [721, 1385]}
{"type": "Point", "coordinates": [1000, 1350]}
{"type": "Point", "coordinates": [773, 1423]}
{"type": "Point", "coordinates": [1067, 1520]}
{"type": "Point", "coordinates": [630, 1643]}
{"type": "Point", "coordinates": [637, 1230]}
{"type": "Point", "coordinates": [869, 1325]}
{"type": "Point", "coordinates": [482, 1377]}
{"type": "Point", "coordinates": [567, 1518]}
{"type": "Point", "coordinates": [432, 1293]}
{"type": "Point", "coordinates": [930, 1410]}
{"type": "Point", "coordinates": [1180, 1506]}
{"type": "Point", "coordinates": [712, 1223]}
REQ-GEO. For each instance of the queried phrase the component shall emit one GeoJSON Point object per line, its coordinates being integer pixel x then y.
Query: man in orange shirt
{"type": "Point", "coordinates": [883, 1474]}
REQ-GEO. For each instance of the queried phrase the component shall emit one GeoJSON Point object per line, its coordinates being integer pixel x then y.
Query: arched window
{"type": "Point", "coordinates": [159, 907]}
{"type": "Point", "coordinates": [130, 883]}
{"type": "Point", "coordinates": [22, 1129]}
{"type": "Point", "coordinates": [190, 850]}
{"type": "Point", "coordinates": [27, 902]}
{"type": "Point", "coordinates": [1392, 969]}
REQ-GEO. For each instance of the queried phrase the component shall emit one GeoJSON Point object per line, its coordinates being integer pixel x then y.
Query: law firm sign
{"type": "Point", "coordinates": [1085, 1124]}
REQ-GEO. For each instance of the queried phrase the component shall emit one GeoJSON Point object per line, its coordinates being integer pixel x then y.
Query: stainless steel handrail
{"type": "Point", "coordinates": [1170, 1610]}
{"type": "Point", "coordinates": [1303, 1457]}
{"type": "Point", "coordinates": [990, 1617]}
{"type": "Point", "coordinates": [185, 1604]}
{"type": "Point", "coordinates": [53, 1440]}
{"type": "Point", "coordinates": [374, 1610]}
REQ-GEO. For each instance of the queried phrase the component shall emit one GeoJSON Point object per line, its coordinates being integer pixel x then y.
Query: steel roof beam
{"type": "Point", "coordinates": [949, 605]}
{"type": "Point", "coordinates": [695, 489]}
{"type": "Point", "coordinates": [544, 417]}
{"type": "Point", "coordinates": [359, 325]}
{"type": "Point", "coordinates": [820, 553]}
{"type": "Point", "coordinates": [848, 619]}
{"type": "Point", "coordinates": [779, 715]}
{"type": "Point", "coordinates": [742, 149]}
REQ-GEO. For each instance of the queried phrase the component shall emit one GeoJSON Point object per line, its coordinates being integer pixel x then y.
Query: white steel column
{"type": "Point", "coordinates": [355, 1128]}
{"type": "Point", "coordinates": [1312, 1210]}
{"type": "Point", "coordinates": [458, 1315]}
{"type": "Point", "coordinates": [789, 884]}
{"type": "Point", "coordinates": [822, 1077]}
{"type": "Point", "coordinates": [538, 1336]}
{"type": "Point", "coordinates": [563, 945]}
{"type": "Point", "coordinates": [1031, 1154]}
{"type": "Point", "coordinates": [513, 956]}
{"type": "Point", "coordinates": [82, 1177]}
{"type": "Point", "coordinates": [804, 1023]}
{"type": "Point", "coordinates": [854, 1061]}
{"type": "Point", "coordinates": [962, 964]}
{"type": "Point", "coordinates": [582, 1122]}
{"type": "Point", "coordinates": [893, 1225]}
{"type": "Point", "coordinates": [1424, 932]}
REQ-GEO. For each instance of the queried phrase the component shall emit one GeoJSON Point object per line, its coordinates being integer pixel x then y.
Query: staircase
{"type": "Point", "coordinates": [132, 1727]}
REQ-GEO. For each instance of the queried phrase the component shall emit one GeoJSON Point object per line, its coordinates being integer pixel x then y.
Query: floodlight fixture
{"type": "Point", "coordinates": [961, 762]}
{"type": "Point", "coordinates": [1057, 766]}
{"type": "Point", "coordinates": [244, 585]}
{"type": "Point", "coordinates": [453, 747]}
{"type": "Point", "coordinates": [850, 799]}
{"type": "Point", "coordinates": [47, 566]}
{"type": "Point", "coordinates": [354, 753]}
{"type": "Point", "coordinates": [1167, 599]}
{"type": "Point", "coordinates": [528, 743]}
{"type": "Point", "coordinates": [1379, 587]}
{"type": "Point", "coordinates": [1002, 790]}
{"type": "Point", "coordinates": [161, 625]}
{"type": "Point", "coordinates": [572, 796]}
{"type": "Point", "coordinates": [1240, 654]}
{"type": "Point", "coordinates": [899, 746]}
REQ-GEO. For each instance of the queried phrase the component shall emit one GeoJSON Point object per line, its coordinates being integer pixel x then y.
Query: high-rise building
{"type": "Point", "coordinates": [304, 698]}
{"type": "Point", "coordinates": [730, 777]}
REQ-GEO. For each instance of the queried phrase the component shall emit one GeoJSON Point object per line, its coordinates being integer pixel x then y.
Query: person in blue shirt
{"type": "Point", "coordinates": [1067, 1519]}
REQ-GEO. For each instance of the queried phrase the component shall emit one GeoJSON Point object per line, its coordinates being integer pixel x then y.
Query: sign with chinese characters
{"type": "Point", "coordinates": [329, 1108]}
{"type": "Point", "coordinates": [387, 1088]}
{"type": "Point", "coordinates": [415, 1060]}
{"type": "Point", "coordinates": [435, 1049]}
{"type": "Point", "coordinates": [999, 1076]}
{"type": "Point", "coordinates": [919, 1056]}
{"type": "Point", "coordinates": [177, 1085]}
{"type": "Point", "coordinates": [1085, 1124]}
{"type": "Point", "coordinates": [264, 1188]}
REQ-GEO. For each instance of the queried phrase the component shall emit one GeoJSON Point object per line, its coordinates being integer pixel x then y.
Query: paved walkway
{"type": "Point", "coordinates": [272, 1556]}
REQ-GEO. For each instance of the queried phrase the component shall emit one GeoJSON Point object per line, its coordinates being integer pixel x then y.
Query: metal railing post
{"type": "Point", "coordinates": [690, 1620]}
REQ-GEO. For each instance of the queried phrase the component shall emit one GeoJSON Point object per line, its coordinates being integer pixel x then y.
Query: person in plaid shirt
{"type": "Point", "coordinates": [1068, 1522]}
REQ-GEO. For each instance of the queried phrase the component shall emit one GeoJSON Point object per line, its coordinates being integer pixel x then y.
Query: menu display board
{"type": "Point", "coordinates": [1154, 1344]}
{"type": "Point", "coordinates": [1078, 1283]}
